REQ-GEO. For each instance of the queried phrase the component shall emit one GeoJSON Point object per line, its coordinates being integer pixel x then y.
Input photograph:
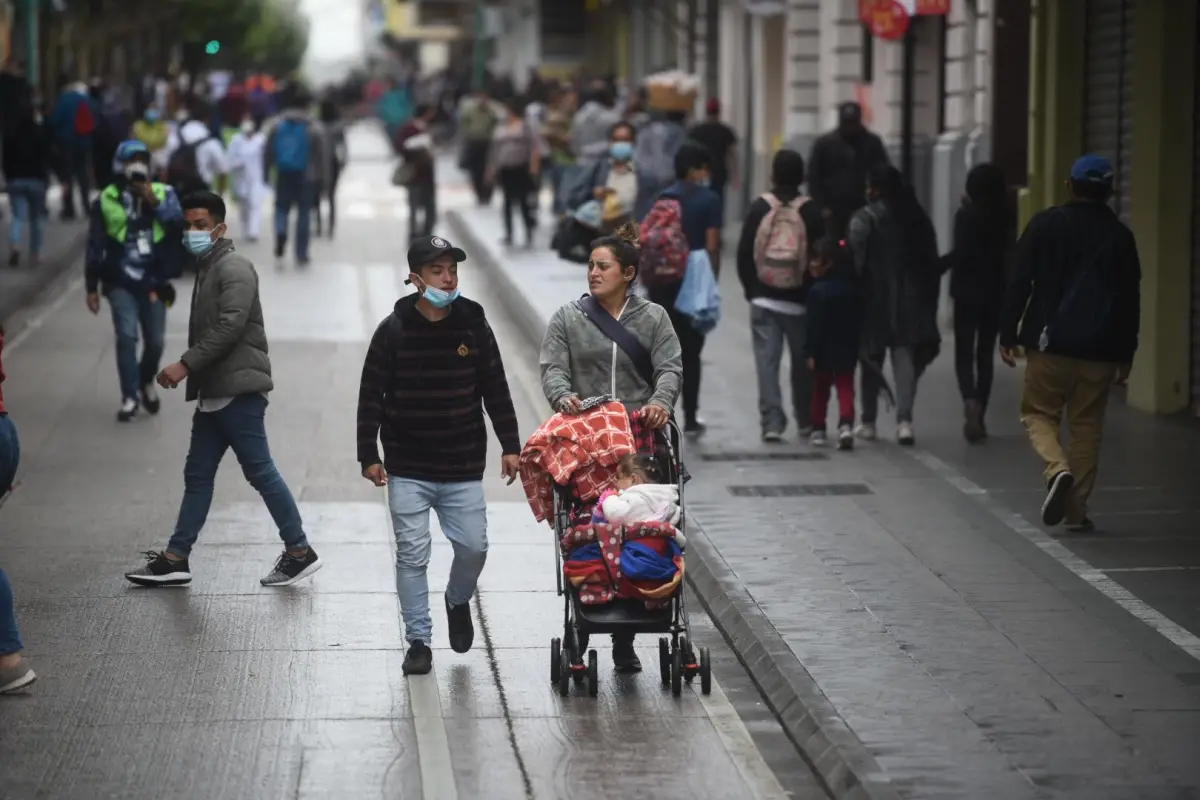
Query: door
{"type": "Point", "coordinates": [1108, 92]}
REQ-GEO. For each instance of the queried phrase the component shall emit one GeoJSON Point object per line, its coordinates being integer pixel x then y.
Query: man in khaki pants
{"type": "Point", "coordinates": [1075, 299]}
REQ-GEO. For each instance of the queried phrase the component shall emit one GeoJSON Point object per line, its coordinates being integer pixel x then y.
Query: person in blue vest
{"type": "Point", "coordinates": [296, 151]}
{"type": "Point", "coordinates": [135, 247]}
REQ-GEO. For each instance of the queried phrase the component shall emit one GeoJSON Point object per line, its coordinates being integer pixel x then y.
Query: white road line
{"type": "Point", "coordinates": [1177, 634]}
{"type": "Point", "coordinates": [433, 745]}
{"type": "Point", "coordinates": [1151, 569]}
{"type": "Point", "coordinates": [736, 739]}
{"type": "Point", "coordinates": [40, 318]}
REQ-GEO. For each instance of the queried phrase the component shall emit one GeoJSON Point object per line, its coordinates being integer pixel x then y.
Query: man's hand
{"type": "Point", "coordinates": [147, 192]}
{"type": "Point", "coordinates": [655, 416]}
{"type": "Point", "coordinates": [570, 405]}
{"type": "Point", "coordinates": [173, 375]}
{"type": "Point", "coordinates": [1008, 355]}
{"type": "Point", "coordinates": [509, 467]}
{"type": "Point", "coordinates": [93, 302]}
{"type": "Point", "coordinates": [1122, 376]}
{"type": "Point", "coordinates": [376, 474]}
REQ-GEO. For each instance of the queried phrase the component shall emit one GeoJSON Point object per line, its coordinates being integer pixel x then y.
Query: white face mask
{"type": "Point", "coordinates": [247, 128]}
{"type": "Point", "coordinates": [137, 172]}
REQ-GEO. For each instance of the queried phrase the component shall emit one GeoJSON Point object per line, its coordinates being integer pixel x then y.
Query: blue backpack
{"type": "Point", "coordinates": [292, 146]}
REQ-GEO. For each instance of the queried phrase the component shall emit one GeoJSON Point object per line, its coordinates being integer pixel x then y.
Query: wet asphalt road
{"type": "Point", "coordinates": [230, 690]}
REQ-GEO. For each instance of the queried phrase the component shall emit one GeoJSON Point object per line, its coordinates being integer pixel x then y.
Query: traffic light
{"type": "Point", "coordinates": [213, 47]}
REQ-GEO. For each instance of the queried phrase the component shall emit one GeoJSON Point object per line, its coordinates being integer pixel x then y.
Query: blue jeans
{"type": "Point", "coordinates": [293, 189]}
{"type": "Point", "coordinates": [129, 311]}
{"type": "Point", "coordinates": [463, 514]}
{"type": "Point", "coordinates": [28, 198]}
{"type": "Point", "coordinates": [238, 426]}
{"type": "Point", "coordinates": [554, 174]}
{"type": "Point", "coordinates": [10, 456]}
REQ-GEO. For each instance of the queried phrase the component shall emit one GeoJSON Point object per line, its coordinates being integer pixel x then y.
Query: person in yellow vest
{"type": "Point", "coordinates": [152, 131]}
{"type": "Point", "coordinates": [135, 248]}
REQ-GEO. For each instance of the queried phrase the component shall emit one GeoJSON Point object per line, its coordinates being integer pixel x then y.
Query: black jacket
{"type": "Point", "coordinates": [26, 151]}
{"type": "Point", "coordinates": [834, 322]}
{"type": "Point", "coordinates": [810, 214]}
{"type": "Point", "coordinates": [978, 261]}
{"type": "Point", "coordinates": [1056, 242]}
{"type": "Point", "coordinates": [838, 167]}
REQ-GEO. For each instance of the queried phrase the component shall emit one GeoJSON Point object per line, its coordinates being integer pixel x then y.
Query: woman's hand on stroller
{"type": "Point", "coordinates": [376, 474]}
{"type": "Point", "coordinates": [570, 405]}
{"type": "Point", "coordinates": [510, 467]}
{"type": "Point", "coordinates": [655, 416]}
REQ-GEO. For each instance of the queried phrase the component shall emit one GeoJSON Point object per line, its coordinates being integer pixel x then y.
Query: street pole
{"type": "Point", "coordinates": [32, 67]}
{"type": "Point", "coordinates": [477, 78]}
{"type": "Point", "coordinates": [907, 81]}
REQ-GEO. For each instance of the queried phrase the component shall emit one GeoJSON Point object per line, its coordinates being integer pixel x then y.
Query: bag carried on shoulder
{"type": "Point", "coordinates": [183, 169]}
{"type": "Point", "coordinates": [781, 244]}
{"type": "Point", "coordinates": [1085, 314]}
{"type": "Point", "coordinates": [664, 245]}
{"type": "Point", "coordinates": [292, 146]}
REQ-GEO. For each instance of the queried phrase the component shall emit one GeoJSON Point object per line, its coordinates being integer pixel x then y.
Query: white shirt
{"type": "Point", "coordinates": [779, 306]}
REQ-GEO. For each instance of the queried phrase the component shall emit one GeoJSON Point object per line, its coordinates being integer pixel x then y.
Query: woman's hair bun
{"type": "Point", "coordinates": [628, 233]}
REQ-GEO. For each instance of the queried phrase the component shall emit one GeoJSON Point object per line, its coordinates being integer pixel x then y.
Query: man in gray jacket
{"type": "Point", "coordinates": [228, 373]}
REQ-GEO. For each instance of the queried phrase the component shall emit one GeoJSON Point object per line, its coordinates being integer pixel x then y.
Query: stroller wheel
{"type": "Point", "coordinates": [705, 671]}
{"type": "Point", "coordinates": [677, 672]}
{"type": "Point", "coordinates": [593, 673]}
{"type": "Point", "coordinates": [555, 651]}
{"type": "Point", "coordinates": [664, 660]}
{"type": "Point", "coordinates": [564, 673]}
{"type": "Point", "coordinates": [685, 647]}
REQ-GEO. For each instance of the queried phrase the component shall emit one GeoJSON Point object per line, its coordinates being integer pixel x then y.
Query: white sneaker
{"type": "Point", "coordinates": [866, 431]}
{"type": "Point", "coordinates": [845, 437]}
{"type": "Point", "coordinates": [904, 434]}
{"type": "Point", "coordinates": [818, 438]}
{"type": "Point", "coordinates": [128, 410]}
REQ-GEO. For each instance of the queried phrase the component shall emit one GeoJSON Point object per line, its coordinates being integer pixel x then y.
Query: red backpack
{"type": "Point", "coordinates": [85, 120]}
{"type": "Point", "coordinates": [664, 246]}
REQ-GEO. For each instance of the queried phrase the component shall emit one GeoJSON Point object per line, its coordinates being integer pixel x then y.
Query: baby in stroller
{"type": "Point", "coordinates": [642, 495]}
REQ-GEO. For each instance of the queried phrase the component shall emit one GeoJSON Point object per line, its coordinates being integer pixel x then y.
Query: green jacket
{"type": "Point", "coordinates": [227, 341]}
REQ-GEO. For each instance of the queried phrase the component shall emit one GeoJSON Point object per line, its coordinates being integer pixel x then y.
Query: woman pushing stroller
{"type": "Point", "coordinates": [613, 343]}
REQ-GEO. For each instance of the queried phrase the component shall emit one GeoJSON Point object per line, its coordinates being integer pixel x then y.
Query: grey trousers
{"type": "Point", "coordinates": [904, 372]}
{"type": "Point", "coordinates": [770, 330]}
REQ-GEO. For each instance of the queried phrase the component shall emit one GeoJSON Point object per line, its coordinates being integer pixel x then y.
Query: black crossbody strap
{"type": "Point", "coordinates": [622, 336]}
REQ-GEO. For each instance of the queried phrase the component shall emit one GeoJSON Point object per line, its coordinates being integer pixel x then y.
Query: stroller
{"type": "Point", "coordinates": [678, 660]}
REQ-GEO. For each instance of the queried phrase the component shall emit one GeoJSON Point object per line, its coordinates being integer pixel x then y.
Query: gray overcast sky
{"type": "Point", "coordinates": [335, 37]}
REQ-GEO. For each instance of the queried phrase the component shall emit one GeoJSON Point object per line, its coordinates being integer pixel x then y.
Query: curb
{"type": "Point", "coordinates": [818, 732]}
{"type": "Point", "coordinates": [47, 275]}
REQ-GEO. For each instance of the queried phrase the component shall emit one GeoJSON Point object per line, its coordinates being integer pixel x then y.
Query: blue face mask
{"type": "Point", "coordinates": [621, 151]}
{"type": "Point", "coordinates": [705, 182]}
{"type": "Point", "coordinates": [439, 298]}
{"type": "Point", "coordinates": [152, 116]}
{"type": "Point", "coordinates": [198, 243]}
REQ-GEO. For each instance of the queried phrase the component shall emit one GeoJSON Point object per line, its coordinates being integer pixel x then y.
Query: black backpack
{"type": "Point", "coordinates": [183, 169]}
{"type": "Point", "coordinates": [1084, 315]}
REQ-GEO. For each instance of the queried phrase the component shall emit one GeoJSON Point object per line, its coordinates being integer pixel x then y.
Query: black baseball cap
{"type": "Point", "coordinates": [428, 249]}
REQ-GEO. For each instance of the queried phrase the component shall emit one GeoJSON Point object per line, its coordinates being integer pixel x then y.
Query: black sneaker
{"type": "Point", "coordinates": [418, 660]}
{"type": "Point", "coordinates": [150, 399]}
{"type": "Point", "coordinates": [289, 569]}
{"type": "Point", "coordinates": [161, 571]}
{"type": "Point", "coordinates": [462, 629]}
{"type": "Point", "coordinates": [1058, 492]}
{"type": "Point", "coordinates": [624, 657]}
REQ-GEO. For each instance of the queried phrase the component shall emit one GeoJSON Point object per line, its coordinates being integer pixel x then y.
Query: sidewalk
{"type": "Point", "coordinates": [917, 637]}
{"type": "Point", "coordinates": [62, 246]}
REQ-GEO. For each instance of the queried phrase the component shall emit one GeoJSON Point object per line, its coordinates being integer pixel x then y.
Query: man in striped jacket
{"type": "Point", "coordinates": [432, 368]}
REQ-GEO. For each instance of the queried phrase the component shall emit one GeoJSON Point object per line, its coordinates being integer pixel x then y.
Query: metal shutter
{"type": "Point", "coordinates": [1108, 91]}
{"type": "Point", "coordinates": [1196, 245]}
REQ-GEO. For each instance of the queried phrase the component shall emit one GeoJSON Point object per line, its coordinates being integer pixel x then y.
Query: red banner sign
{"type": "Point", "coordinates": [933, 8]}
{"type": "Point", "coordinates": [886, 19]}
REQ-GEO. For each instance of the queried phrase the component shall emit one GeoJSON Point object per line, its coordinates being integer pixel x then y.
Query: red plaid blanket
{"type": "Point", "coordinates": [580, 450]}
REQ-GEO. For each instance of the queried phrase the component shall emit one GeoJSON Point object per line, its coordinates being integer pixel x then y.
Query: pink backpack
{"type": "Point", "coordinates": [781, 244]}
{"type": "Point", "coordinates": [664, 246]}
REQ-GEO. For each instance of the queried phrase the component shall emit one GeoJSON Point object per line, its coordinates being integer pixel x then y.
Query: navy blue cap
{"type": "Point", "coordinates": [1092, 168]}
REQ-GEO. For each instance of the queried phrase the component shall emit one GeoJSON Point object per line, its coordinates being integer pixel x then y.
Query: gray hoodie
{"type": "Point", "coordinates": [577, 359]}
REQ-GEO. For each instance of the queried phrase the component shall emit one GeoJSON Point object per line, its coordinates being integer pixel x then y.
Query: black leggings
{"type": "Point", "coordinates": [330, 193]}
{"type": "Point", "coordinates": [516, 184]}
{"type": "Point", "coordinates": [976, 326]}
{"type": "Point", "coordinates": [691, 344]}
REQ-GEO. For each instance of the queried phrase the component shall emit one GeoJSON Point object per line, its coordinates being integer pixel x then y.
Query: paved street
{"type": "Point", "coordinates": [908, 619]}
{"type": "Point", "coordinates": [228, 689]}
